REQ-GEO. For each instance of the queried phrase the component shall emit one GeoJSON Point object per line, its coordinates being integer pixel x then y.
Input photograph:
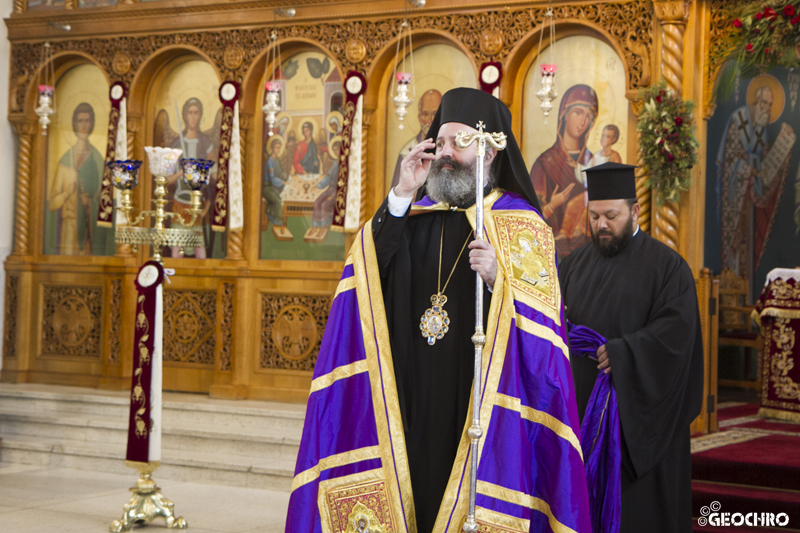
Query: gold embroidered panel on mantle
{"type": "Point", "coordinates": [190, 326]}
{"type": "Point", "coordinates": [362, 507]}
{"type": "Point", "coordinates": [71, 324]}
{"type": "Point", "coordinates": [485, 527]}
{"type": "Point", "coordinates": [10, 317]}
{"type": "Point", "coordinates": [115, 312]}
{"type": "Point", "coordinates": [291, 330]}
{"type": "Point", "coordinates": [526, 249]}
{"type": "Point", "coordinates": [234, 51]}
{"type": "Point", "coordinates": [226, 326]}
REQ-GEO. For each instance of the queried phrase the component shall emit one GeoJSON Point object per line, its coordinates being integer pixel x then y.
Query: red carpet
{"type": "Point", "coordinates": [771, 425]}
{"type": "Point", "coordinates": [749, 467]}
{"type": "Point", "coordinates": [770, 461]}
{"type": "Point", "coordinates": [737, 411]}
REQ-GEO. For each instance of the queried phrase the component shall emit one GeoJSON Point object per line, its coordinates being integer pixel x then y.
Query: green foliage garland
{"type": "Point", "coordinates": [666, 141]}
{"type": "Point", "coordinates": [763, 35]}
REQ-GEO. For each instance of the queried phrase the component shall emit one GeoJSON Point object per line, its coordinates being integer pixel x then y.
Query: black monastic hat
{"type": "Point", "coordinates": [470, 106]}
{"type": "Point", "coordinates": [611, 181]}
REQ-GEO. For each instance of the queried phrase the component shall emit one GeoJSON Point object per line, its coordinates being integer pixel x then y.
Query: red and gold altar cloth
{"type": "Point", "coordinates": [778, 313]}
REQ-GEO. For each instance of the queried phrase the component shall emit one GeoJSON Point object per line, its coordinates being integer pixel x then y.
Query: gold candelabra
{"type": "Point", "coordinates": [163, 163]}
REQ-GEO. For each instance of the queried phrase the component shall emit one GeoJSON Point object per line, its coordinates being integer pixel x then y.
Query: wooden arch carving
{"type": "Point", "coordinates": [376, 99]}
{"type": "Point", "coordinates": [524, 54]}
{"type": "Point", "coordinates": [140, 88]}
{"type": "Point", "coordinates": [382, 65]}
{"type": "Point", "coordinates": [253, 78]}
{"type": "Point", "coordinates": [62, 62]}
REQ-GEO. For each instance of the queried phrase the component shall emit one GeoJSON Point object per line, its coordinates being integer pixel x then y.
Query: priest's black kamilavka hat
{"type": "Point", "coordinates": [470, 106]}
{"type": "Point", "coordinates": [611, 181]}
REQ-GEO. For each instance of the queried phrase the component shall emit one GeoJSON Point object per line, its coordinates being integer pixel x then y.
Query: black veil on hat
{"type": "Point", "coordinates": [470, 106]}
{"type": "Point", "coordinates": [611, 181]}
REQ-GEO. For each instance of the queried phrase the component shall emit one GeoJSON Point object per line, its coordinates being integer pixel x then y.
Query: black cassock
{"type": "Point", "coordinates": [644, 301]}
{"type": "Point", "coordinates": [433, 382]}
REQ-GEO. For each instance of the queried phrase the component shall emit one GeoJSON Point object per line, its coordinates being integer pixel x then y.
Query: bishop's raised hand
{"type": "Point", "coordinates": [414, 169]}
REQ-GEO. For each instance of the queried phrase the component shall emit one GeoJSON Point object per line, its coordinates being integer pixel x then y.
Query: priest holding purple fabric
{"type": "Point", "coordinates": [640, 295]}
{"type": "Point", "coordinates": [385, 444]}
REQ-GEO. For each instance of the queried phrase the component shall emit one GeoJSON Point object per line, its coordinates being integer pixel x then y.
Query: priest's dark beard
{"type": "Point", "coordinates": [616, 243]}
{"type": "Point", "coordinates": [454, 186]}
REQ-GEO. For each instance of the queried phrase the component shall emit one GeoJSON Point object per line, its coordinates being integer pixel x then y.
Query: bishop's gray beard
{"type": "Point", "coordinates": [454, 186]}
{"type": "Point", "coordinates": [616, 243]}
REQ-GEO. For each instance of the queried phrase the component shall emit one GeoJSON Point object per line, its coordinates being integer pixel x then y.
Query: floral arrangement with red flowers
{"type": "Point", "coordinates": [666, 141]}
{"type": "Point", "coordinates": [763, 35]}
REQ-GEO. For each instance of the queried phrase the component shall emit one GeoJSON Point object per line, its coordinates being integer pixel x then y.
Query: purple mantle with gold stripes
{"type": "Point", "coordinates": [352, 470]}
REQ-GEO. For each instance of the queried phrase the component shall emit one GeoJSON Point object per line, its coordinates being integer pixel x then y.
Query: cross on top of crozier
{"type": "Point", "coordinates": [495, 140]}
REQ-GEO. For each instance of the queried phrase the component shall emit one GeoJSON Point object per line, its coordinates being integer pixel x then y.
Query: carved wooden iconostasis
{"type": "Point", "coordinates": [245, 315]}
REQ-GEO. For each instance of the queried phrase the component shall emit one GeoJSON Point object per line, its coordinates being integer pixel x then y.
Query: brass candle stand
{"type": "Point", "coordinates": [147, 502]}
{"type": "Point", "coordinates": [163, 163]}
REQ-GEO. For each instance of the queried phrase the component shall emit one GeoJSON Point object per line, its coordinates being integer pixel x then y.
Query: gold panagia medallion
{"type": "Point", "coordinates": [435, 323]}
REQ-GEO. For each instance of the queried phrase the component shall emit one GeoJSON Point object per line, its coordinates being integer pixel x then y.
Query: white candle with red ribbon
{"type": "Point", "coordinates": [228, 200]}
{"type": "Point", "coordinates": [347, 206]}
{"type": "Point", "coordinates": [116, 150]}
{"type": "Point", "coordinates": [144, 420]}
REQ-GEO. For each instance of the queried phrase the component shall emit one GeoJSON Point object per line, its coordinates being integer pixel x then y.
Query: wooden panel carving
{"type": "Point", "coordinates": [10, 317]}
{"type": "Point", "coordinates": [672, 15]}
{"type": "Point", "coordinates": [721, 25]}
{"type": "Point", "coordinates": [190, 319]}
{"type": "Point", "coordinates": [721, 18]}
{"type": "Point", "coordinates": [628, 22]}
{"type": "Point", "coordinates": [116, 321]}
{"type": "Point", "coordinates": [291, 330]}
{"type": "Point", "coordinates": [227, 327]}
{"type": "Point", "coordinates": [72, 321]}
{"type": "Point", "coordinates": [25, 132]}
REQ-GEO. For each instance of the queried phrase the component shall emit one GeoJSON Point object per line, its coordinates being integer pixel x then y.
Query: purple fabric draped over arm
{"type": "Point", "coordinates": [600, 438]}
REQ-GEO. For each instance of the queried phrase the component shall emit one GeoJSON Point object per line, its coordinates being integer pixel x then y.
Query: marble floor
{"type": "Point", "coordinates": [35, 499]}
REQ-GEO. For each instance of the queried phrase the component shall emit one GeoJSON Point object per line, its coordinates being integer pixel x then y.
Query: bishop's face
{"type": "Point", "coordinates": [612, 223]}
{"type": "Point", "coordinates": [449, 151]}
{"type": "Point", "coordinates": [451, 177]}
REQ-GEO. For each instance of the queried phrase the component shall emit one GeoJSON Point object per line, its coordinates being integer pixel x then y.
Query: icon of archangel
{"type": "Point", "coordinates": [196, 143]}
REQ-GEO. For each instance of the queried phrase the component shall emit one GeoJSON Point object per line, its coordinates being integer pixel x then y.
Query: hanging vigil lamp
{"type": "Point", "coordinates": [47, 90]}
{"type": "Point", "coordinates": [273, 86]}
{"type": "Point", "coordinates": [403, 78]}
{"type": "Point", "coordinates": [548, 70]}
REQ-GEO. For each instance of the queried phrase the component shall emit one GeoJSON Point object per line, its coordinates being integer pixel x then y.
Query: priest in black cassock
{"type": "Point", "coordinates": [640, 295]}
